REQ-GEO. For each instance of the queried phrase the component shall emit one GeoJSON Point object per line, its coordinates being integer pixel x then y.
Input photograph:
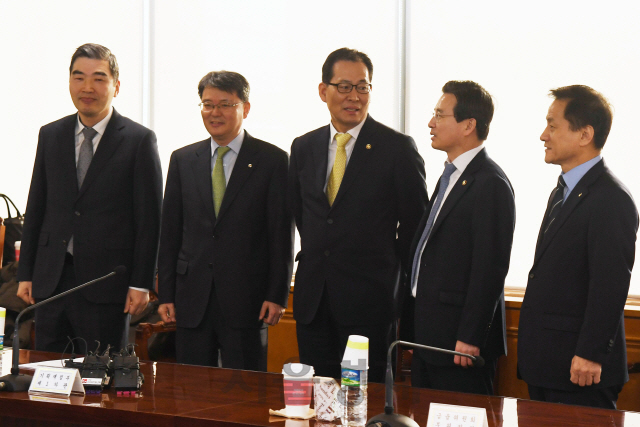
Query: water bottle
{"type": "Point", "coordinates": [354, 396]}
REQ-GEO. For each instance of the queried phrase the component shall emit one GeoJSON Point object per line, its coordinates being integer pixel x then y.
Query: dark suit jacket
{"type": "Point", "coordinates": [246, 252]}
{"type": "Point", "coordinates": [114, 218]}
{"type": "Point", "coordinates": [460, 294]}
{"type": "Point", "coordinates": [578, 285]}
{"type": "Point", "coordinates": [355, 247]}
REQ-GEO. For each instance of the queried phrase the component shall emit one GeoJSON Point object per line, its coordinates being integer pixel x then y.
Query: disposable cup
{"type": "Point", "coordinates": [356, 354]}
{"type": "Point", "coordinates": [17, 248]}
{"type": "Point", "coordinates": [298, 388]}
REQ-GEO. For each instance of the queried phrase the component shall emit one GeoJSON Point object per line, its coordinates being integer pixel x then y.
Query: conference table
{"type": "Point", "coordinates": [193, 396]}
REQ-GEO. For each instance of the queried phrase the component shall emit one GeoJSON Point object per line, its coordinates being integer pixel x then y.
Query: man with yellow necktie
{"type": "Point", "coordinates": [357, 190]}
{"type": "Point", "coordinates": [226, 238]}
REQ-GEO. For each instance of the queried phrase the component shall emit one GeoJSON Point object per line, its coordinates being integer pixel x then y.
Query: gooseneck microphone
{"type": "Point", "coordinates": [389, 419]}
{"type": "Point", "coordinates": [20, 382]}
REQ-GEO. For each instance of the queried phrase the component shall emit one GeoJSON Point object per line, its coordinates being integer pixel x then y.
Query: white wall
{"type": "Point", "coordinates": [516, 51]}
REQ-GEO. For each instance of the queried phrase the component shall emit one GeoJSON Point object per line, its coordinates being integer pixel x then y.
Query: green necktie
{"type": "Point", "coordinates": [339, 166]}
{"type": "Point", "coordinates": [218, 180]}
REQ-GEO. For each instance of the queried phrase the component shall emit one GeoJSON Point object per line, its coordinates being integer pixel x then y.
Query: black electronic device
{"type": "Point", "coordinates": [388, 418]}
{"type": "Point", "coordinates": [97, 371]}
{"type": "Point", "coordinates": [127, 377]}
{"type": "Point", "coordinates": [16, 381]}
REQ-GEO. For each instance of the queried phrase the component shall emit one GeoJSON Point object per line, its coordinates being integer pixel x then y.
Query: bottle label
{"type": "Point", "coordinates": [350, 377]}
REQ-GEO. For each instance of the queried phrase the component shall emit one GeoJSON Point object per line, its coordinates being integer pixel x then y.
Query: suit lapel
{"type": "Point", "coordinates": [320, 149]}
{"type": "Point", "coordinates": [359, 157]}
{"type": "Point", "coordinates": [578, 194]}
{"type": "Point", "coordinates": [246, 162]}
{"type": "Point", "coordinates": [201, 166]}
{"type": "Point", "coordinates": [67, 160]}
{"type": "Point", "coordinates": [109, 143]}
{"type": "Point", "coordinates": [460, 188]}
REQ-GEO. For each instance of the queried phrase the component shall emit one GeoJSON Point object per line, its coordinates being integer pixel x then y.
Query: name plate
{"type": "Point", "coordinates": [441, 415]}
{"type": "Point", "coordinates": [56, 381]}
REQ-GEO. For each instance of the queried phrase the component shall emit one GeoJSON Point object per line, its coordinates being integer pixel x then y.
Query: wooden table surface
{"type": "Point", "coordinates": [181, 395]}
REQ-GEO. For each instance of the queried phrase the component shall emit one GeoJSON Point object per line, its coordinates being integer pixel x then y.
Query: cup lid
{"type": "Point", "coordinates": [297, 370]}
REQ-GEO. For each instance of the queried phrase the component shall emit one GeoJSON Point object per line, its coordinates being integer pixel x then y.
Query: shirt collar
{"type": "Point", "coordinates": [98, 127]}
{"type": "Point", "coordinates": [574, 176]}
{"type": "Point", "coordinates": [235, 144]}
{"type": "Point", "coordinates": [354, 132]}
{"type": "Point", "coordinates": [462, 161]}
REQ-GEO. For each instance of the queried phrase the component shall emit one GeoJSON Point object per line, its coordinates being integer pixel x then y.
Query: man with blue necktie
{"type": "Point", "coordinates": [462, 249]}
{"type": "Point", "coordinates": [571, 340]}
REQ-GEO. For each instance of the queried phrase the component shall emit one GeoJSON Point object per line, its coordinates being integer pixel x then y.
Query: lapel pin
{"type": "Point", "coordinates": [368, 146]}
{"type": "Point", "coordinates": [579, 194]}
{"type": "Point", "coordinates": [250, 165]}
{"type": "Point", "coordinates": [464, 182]}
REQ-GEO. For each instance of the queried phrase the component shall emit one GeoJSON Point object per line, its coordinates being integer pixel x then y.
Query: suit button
{"type": "Point", "coordinates": [531, 276]}
{"type": "Point", "coordinates": [215, 236]}
{"type": "Point", "coordinates": [64, 242]}
{"type": "Point", "coordinates": [210, 265]}
{"type": "Point", "coordinates": [327, 253]}
{"type": "Point", "coordinates": [329, 221]}
{"type": "Point", "coordinates": [611, 342]}
{"type": "Point", "coordinates": [77, 213]}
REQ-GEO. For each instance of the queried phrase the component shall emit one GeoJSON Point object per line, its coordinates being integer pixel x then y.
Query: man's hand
{"type": "Point", "coordinates": [136, 301]}
{"type": "Point", "coordinates": [585, 372]}
{"type": "Point", "coordinates": [24, 292]}
{"type": "Point", "coordinates": [167, 312]}
{"type": "Point", "coordinates": [271, 313]}
{"type": "Point", "coordinates": [461, 347]}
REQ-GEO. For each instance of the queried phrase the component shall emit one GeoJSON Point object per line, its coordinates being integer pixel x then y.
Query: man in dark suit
{"type": "Point", "coordinates": [571, 339]}
{"type": "Point", "coordinates": [358, 192]}
{"type": "Point", "coordinates": [90, 209]}
{"type": "Point", "coordinates": [461, 250]}
{"type": "Point", "coordinates": [226, 246]}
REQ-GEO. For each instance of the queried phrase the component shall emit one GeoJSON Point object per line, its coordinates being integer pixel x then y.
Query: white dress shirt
{"type": "Point", "coordinates": [461, 162]}
{"type": "Point", "coordinates": [333, 147]}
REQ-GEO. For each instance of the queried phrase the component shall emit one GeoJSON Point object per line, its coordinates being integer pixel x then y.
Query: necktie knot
{"type": "Point", "coordinates": [342, 139]}
{"type": "Point", "coordinates": [561, 183]}
{"type": "Point", "coordinates": [449, 169]}
{"type": "Point", "coordinates": [89, 134]}
{"type": "Point", "coordinates": [222, 151]}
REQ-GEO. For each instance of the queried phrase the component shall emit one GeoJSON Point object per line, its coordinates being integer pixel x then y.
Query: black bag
{"type": "Point", "coordinates": [13, 231]}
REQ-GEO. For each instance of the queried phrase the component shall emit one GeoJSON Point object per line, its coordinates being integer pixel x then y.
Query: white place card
{"type": "Point", "coordinates": [58, 381]}
{"type": "Point", "coordinates": [441, 415]}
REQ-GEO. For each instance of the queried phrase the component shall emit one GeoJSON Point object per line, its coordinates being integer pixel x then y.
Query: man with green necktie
{"type": "Point", "coordinates": [226, 239]}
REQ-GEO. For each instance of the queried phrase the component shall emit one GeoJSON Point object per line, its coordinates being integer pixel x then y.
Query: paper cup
{"type": "Point", "coordinates": [17, 248]}
{"type": "Point", "coordinates": [298, 387]}
{"type": "Point", "coordinates": [356, 354]}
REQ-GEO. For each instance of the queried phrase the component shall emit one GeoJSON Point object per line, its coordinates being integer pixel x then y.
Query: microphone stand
{"type": "Point", "coordinates": [388, 418]}
{"type": "Point", "coordinates": [15, 381]}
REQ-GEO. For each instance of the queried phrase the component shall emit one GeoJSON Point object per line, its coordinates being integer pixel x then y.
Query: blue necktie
{"type": "Point", "coordinates": [444, 183]}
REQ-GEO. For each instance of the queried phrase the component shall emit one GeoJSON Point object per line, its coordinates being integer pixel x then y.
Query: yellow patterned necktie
{"type": "Point", "coordinates": [339, 166]}
{"type": "Point", "coordinates": [218, 180]}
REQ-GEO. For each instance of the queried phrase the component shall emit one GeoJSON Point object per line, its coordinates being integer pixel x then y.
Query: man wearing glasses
{"type": "Point", "coordinates": [358, 192]}
{"type": "Point", "coordinates": [460, 255]}
{"type": "Point", "coordinates": [226, 238]}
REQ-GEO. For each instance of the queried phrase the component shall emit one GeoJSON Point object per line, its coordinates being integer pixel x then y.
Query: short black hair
{"type": "Point", "coordinates": [586, 107]}
{"type": "Point", "coordinates": [344, 54]}
{"type": "Point", "coordinates": [473, 102]}
{"type": "Point", "coordinates": [226, 81]}
{"type": "Point", "coordinates": [96, 51]}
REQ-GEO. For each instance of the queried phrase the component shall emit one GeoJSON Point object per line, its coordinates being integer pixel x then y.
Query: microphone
{"type": "Point", "coordinates": [20, 382]}
{"type": "Point", "coordinates": [389, 419]}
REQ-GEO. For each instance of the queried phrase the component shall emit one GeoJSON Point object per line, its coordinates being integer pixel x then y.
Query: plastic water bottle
{"type": "Point", "coordinates": [353, 397]}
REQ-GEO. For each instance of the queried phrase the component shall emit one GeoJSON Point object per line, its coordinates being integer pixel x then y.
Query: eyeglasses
{"type": "Point", "coordinates": [363, 88]}
{"type": "Point", "coordinates": [207, 107]}
{"type": "Point", "coordinates": [439, 116]}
